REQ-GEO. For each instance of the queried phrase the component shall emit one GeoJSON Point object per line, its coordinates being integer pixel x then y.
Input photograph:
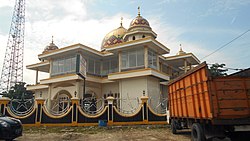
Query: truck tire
{"type": "Point", "coordinates": [173, 127]}
{"type": "Point", "coordinates": [197, 133]}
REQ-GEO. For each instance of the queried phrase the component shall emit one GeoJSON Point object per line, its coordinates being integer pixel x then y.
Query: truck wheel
{"type": "Point", "coordinates": [197, 133]}
{"type": "Point", "coordinates": [173, 127]}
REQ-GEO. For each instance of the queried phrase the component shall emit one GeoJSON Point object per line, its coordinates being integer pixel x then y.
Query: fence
{"type": "Point", "coordinates": [75, 116]}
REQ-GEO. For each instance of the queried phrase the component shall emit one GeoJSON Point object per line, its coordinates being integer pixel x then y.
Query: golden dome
{"type": "Point", "coordinates": [50, 47]}
{"type": "Point", "coordinates": [114, 37]}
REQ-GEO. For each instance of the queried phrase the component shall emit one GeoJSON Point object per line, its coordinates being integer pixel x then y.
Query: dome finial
{"type": "Point", "coordinates": [139, 12]}
{"type": "Point", "coordinates": [121, 21]}
{"type": "Point", "coordinates": [180, 48]}
{"type": "Point", "coordinates": [181, 52]}
{"type": "Point", "coordinates": [52, 39]}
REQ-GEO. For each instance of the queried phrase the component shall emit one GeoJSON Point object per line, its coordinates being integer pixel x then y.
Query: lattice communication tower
{"type": "Point", "coordinates": [12, 71]}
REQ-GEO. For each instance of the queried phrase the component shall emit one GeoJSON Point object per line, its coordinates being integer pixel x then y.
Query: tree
{"type": "Point", "coordinates": [217, 70]}
{"type": "Point", "coordinates": [17, 91]}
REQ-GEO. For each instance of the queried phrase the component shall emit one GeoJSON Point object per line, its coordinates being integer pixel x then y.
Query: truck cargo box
{"type": "Point", "coordinates": [199, 96]}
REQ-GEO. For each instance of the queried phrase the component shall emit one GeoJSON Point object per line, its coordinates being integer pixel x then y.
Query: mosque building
{"type": "Point", "coordinates": [131, 64]}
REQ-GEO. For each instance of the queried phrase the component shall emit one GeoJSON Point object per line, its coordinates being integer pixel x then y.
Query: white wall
{"type": "Point", "coordinates": [130, 90]}
{"type": "Point", "coordinates": [153, 91]}
{"type": "Point", "coordinates": [94, 87]}
{"type": "Point", "coordinates": [110, 87]}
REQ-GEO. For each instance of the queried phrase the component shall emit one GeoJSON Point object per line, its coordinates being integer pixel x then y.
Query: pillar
{"type": "Point", "coordinates": [75, 102]}
{"type": "Point", "coordinates": [185, 65]}
{"type": "Point", "coordinates": [36, 76]}
{"type": "Point", "coordinates": [40, 103]}
{"type": "Point", "coordinates": [49, 96]}
{"type": "Point", "coordinates": [157, 62]}
{"type": "Point", "coordinates": [110, 100]}
{"type": "Point", "coordinates": [144, 100]}
{"type": "Point", "coordinates": [120, 61]}
{"type": "Point", "coordinates": [3, 104]}
{"type": "Point", "coordinates": [77, 89]}
{"type": "Point", "coordinates": [146, 56]}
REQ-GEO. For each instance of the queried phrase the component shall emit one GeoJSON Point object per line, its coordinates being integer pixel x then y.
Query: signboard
{"type": "Point", "coordinates": [81, 66]}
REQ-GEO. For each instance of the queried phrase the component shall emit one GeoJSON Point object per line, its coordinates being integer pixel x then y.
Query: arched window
{"type": "Point", "coordinates": [143, 36]}
{"type": "Point", "coordinates": [133, 37]}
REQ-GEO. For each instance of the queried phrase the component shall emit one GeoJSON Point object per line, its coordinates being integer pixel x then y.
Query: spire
{"type": "Point", "coordinates": [181, 48]}
{"type": "Point", "coordinates": [139, 12]}
{"type": "Point", "coordinates": [121, 21]}
{"type": "Point", "coordinates": [181, 52]}
{"type": "Point", "coordinates": [52, 40]}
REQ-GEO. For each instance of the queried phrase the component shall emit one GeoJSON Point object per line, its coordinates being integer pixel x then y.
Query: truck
{"type": "Point", "coordinates": [210, 106]}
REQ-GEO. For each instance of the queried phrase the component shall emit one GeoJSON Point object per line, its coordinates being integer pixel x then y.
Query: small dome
{"type": "Point", "coordinates": [114, 37]}
{"type": "Point", "coordinates": [50, 47]}
{"type": "Point", "coordinates": [139, 21]}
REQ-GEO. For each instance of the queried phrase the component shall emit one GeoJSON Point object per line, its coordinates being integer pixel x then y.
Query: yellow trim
{"type": "Point", "coordinates": [129, 42]}
{"type": "Point", "coordinates": [159, 72]}
{"type": "Point", "coordinates": [155, 112]}
{"type": "Point", "coordinates": [183, 55]}
{"type": "Point", "coordinates": [59, 76]}
{"type": "Point", "coordinates": [59, 116]}
{"type": "Point", "coordinates": [71, 46]}
{"type": "Point", "coordinates": [92, 116]}
{"type": "Point", "coordinates": [38, 64]}
{"type": "Point", "coordinates": [128, 115]}
{"type": "Point", "coordinates": [138, 70]}
{"type": "Point", "coordinates": [130, 71]}
{"type": "Point", "coordinates": [20, 117]}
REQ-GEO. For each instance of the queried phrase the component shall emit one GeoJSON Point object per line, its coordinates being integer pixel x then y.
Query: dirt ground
{"type": "Point", "coordinates": [115, 133]}
{"type": "Point", "coordinates": [118, 133]}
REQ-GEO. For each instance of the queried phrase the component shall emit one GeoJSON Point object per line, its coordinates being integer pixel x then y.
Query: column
{"type": "Point", "coordinates": [146, 56]}
{"type": "Point", "coordinates": [75, 103]}
{"type": "Point", "coordinates": [120, 61]}
{"type": "Point", "coordinates": [77, 89]}
{"type": "Point", "coordinates": [49, 96]}
{"type": "Point", "coordinates": [40, 103]}
{"type": "Point", "coordinates": [3, 104]}
{"type": "Point", "coordinates": [185, 65]}
{"type": "Point", "coordinates": [158, 62]}
{"type": "Point", "coordinates": [144, 100]}
{"type": "Point", "coordinates": [36, 76]}
{"type": "Point", "coordinates": [110, 109]}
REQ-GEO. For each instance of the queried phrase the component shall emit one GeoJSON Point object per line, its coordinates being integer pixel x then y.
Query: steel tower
{"type": "Point", "coordinates": [12, 71]}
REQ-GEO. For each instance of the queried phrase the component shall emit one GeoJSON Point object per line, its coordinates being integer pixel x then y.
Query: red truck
{"type": "Point", "coordinates": [210, 106]}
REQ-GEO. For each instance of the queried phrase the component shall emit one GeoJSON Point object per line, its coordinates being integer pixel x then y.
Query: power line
{"type": "Point", "coordinates": [226, 44]}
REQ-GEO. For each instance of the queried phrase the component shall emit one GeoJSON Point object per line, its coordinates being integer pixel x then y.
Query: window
{"type": "Point", "coordinates": [91, 66]}
{"type": "Point", "coordinates": [133, 37]}
{"type": "Point", "coordinates": [133, 59]}
{"type": "Point", "coordinates": [109, 66]}
{"type": "Point", "coordinates": [143, 36]}
{"type": "Point", "coordinates": [152, 61]}
{"type": "Point", "coordinates": [63, 65]}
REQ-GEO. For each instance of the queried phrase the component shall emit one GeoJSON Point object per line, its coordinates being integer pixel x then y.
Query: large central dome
{"type": "Point", "coordinates": [114, 37]}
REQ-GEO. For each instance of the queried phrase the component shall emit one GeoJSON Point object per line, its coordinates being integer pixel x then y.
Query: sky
{"type": "Point", "coordinates": [200, 26]}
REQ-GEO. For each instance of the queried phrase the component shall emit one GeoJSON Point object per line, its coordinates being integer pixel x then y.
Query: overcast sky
{"type": "Point", "coordinates": [201, 26]}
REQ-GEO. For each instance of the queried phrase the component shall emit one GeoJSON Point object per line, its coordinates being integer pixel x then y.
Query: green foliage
{"type": "Point", "coordinates": [17, 91]}
{"type": "Point", "coordinates": [217, 70]}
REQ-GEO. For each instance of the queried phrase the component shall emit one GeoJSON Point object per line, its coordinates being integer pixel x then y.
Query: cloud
{"type": "Point", "coordinates": [7, 3]}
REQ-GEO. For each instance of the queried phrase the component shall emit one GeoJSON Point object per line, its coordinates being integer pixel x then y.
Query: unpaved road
{"type": "Point", "coordinates": [134, 133]}
{"type": "Point", "coordinates": [117, 133]}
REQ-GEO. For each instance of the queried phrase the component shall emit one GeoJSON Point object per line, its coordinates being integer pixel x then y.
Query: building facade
{"type": "Point", "coordinates": [131, 64]}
